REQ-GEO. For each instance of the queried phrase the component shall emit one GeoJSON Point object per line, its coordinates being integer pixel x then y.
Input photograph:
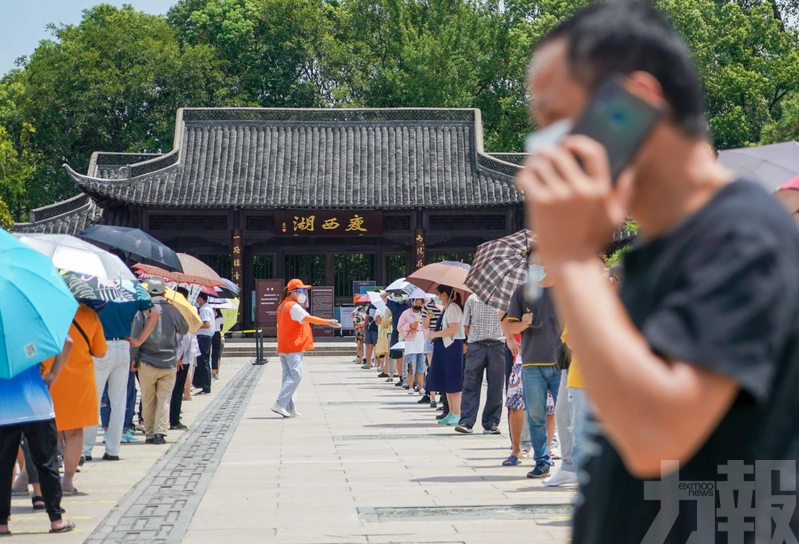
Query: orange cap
{"type": "Point", "coordinates": [297, 284]}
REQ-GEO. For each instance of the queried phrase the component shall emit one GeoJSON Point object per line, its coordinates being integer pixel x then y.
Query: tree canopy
{"type": "Point", "coordinates": [114, 81]}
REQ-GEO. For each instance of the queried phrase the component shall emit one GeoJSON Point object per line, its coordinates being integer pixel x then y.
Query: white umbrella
{"type": "Point", "coordinates": [400, 285]}
{"type": "Point", "coordinates": [769, 165]}
{"type": "Point", "coordinates": [399, 346]}
{"type": "Point", "coordinates": [418, 294]}
{"type": "Point", "coordinates": [377, 302]}
{"type": "Point", "coordinates": [222, 303]}
{"type": "Point", "coordinates": [70, 253]}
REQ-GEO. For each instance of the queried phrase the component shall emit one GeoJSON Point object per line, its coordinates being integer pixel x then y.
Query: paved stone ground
{"type": "Point", "coordinates": [367, 464]}
{"type": "Point", "coordinates": [364, 464]}
{"type": "Point", "coordinates": [103, 484]}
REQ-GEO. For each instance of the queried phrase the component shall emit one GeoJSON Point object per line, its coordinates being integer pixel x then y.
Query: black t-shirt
{"type": "Point", "coordinates": [541, 337]}
{"type": "Point", "coordinates": [720, 291]}
{"type": "Point", "coordinates": [371, 324]}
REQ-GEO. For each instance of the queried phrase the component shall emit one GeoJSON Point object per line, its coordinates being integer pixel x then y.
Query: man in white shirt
{"type": "Point", "coordinates": [202, 375]}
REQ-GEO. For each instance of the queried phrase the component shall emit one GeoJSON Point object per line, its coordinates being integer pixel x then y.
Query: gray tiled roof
{"type": "Point", "coordinates": [67, 217]}
{"type": "Point", "coordinates": [288, 158]}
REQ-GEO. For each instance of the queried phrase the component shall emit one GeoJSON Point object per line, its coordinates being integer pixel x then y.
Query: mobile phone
{"type": "Point", "coordinates": [619, 120]}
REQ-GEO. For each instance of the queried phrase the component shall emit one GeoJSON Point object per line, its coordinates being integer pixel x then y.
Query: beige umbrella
{"type": "Point", "coordinates": [444, 273]}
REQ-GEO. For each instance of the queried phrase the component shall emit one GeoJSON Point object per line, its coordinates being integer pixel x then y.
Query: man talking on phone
{"type": "Point", "coordinates": [693, 368]}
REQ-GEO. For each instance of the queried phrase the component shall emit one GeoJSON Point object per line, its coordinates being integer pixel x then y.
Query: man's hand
{"type": "Point", "coordinates": [513, 345]}
{"type": "Point", "coordinates": [134, 342]}
{"type": "Point", "coordinates": [180, 365]}
{"type": "Point", "coordinates": [573, 210]}
{"type": "Point", "coordinates": [134, 366]}
{"type": "Point", "coordinates": [527, 319]}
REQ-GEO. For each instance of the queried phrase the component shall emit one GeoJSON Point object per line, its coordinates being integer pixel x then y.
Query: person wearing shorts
{"type": "Point", "coordinates": [414, 325]}
{"type": "Point", "coordinates": [517, 411]}
{"type": "Point", "coordinates": [370, 336]}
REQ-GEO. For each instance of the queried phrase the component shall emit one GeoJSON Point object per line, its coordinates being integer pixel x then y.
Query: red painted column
{"type": "Point", "coordinates": [419, 249]}
{"type": "Point", "coordinates": [237, 267]}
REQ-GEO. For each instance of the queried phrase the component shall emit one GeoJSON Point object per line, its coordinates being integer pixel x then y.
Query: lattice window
{"type": "Point", "coordinates": [260, 223]}
{"type": "Point", "coordinates": [308, 268]}
{"type": "Point", "coordinates": [467, 222]}
{"type": "Point", "coordinates": [396, 267]}
{"type": "Point", "coordinates": [188, 222]}
{"type": "Point", "coordinates": [263, 267]}
{"type": "Point", "coordinates": [396, 223]}
{"type": "Point", "coordinates": [350, 267]}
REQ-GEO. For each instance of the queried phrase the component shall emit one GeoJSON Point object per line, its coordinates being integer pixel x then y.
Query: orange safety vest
{"type": "Point", "coordinates": [292, 337]}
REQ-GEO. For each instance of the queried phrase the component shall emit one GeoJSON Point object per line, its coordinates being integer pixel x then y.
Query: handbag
{"type": "Point", "coordinates": [563, 355]}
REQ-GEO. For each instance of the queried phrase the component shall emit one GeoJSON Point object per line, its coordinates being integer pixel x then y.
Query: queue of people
{"type": "Point", "coordinates": [450, 347]}
{"type": "Point", "coordinates": [111, 348]}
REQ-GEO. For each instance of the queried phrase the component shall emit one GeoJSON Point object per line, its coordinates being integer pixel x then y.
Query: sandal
{"type": "Point", "coordinates": [69, 491]}
{"type": "Point", "coordinates": [38, 499]}
{"type": "Point", "coordinates": [70, 526]}
{"type": "Point", "coordinates": [511, 461]}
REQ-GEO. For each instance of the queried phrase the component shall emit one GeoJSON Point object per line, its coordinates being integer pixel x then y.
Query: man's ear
{"type": "Point", "coordinates": [647, 87]}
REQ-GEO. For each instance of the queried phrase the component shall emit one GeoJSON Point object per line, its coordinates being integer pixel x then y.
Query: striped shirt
{"type": "Point", "coordinates": [436, 311]}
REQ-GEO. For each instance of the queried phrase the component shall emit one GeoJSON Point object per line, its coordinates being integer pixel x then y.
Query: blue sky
{"type": "Point", "coordinates": [23, 24]}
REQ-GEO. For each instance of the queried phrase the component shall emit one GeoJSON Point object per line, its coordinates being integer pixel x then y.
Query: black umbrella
{"type": "Point", "coordinates": [134, 244]}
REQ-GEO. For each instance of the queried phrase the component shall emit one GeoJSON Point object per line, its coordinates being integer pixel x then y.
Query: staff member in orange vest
{"type": "Point", "coordinates": [294, 338]}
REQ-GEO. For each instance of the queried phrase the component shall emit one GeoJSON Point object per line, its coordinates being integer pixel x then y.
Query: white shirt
{"type": "Point", "coordinates": [453, 314]}
{"type": "Point", "coordinates": [298, 313]}
{"type": "Point", "coordinates": [206, 314]}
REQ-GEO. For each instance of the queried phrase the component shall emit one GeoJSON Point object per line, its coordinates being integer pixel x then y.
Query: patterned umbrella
{"type": "Point", "coordinates": [499, 267]}
{"type": "Point", "coordinates": [89, 287]}
{"type": "Point", "coordinates": [401, 286]}
{"type": "Point", "coordinates": [149, 271]}
{"type": "Point", "coordinates": [195, 267]}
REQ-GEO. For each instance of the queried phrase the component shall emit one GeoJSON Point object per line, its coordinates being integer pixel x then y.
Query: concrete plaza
{"type": "Point", "coordinates": [364, 464]}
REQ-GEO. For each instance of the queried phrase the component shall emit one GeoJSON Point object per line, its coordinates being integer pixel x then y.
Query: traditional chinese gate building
{"type": "Point", "coordinates": [329, 196]}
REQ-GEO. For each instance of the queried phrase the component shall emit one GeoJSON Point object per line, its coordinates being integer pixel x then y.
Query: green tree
{"type": "Point", "coordinates": [269, 50]}
{"type": "Point", "coordinates": [111, 83]}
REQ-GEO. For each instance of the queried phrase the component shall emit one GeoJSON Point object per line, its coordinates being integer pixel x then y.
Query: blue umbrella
{"type": "Point", "coordinates": [36, 308]}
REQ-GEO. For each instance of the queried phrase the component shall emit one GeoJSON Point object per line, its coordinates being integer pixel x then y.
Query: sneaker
{"type": "Point", "coordinates": [280, 410]}
{"type": "Point", "coordinates": [295, 413]}
{"type": "Point", "coordinates": [424, 400]}
{"type": "Point", "coordinates": [453, 420]}
{"type": "Point", "coordinates": [400, 383]}
{"type": "Point", "coordinates": [561, 477]}
{"type": "Point", "coordinates": [541, 470]}
{"type": "Point", "coordinates": [178, 427]}
{"type": "Point", "coordinates": [408, 388]}
{"type": "Point", "coordinates": [554, 450]}
{"type": "Point", "coordinates": [86, 457]}
{"type": "Point", "coordinates": [365, 366]}
{"type": "Point", "coordinates": [464, 429]}
{"type": "Point", "coordinates": [148, 441]}
{"type": "Point", "coordinates": [357, 361]}
{"type": "Point", "coordinates": [382, 375]}
{"type": "Point", "coordinates": [389, 380]}
{"type": "Point", "coordinates": [492, 430]}
{"type": "Point", "coordinates": [128, 438]}
{"type": "Point", "coordinates": [442, 415]}
{"type": "Point", "coordinates": [446, 419]}
{"type": "Point", "coordinates": [433, 404]}
{"type": "Point", "coordinates": [107, 457]}
{"type": "Point", "coordinates": [158, 439]}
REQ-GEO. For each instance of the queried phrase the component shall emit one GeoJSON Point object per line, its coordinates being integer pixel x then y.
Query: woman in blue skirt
{"type": "Point", "coordinates": [446, 369]}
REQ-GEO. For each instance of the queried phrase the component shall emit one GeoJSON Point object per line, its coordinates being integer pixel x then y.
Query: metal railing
{"type": "Point", "coordinates": [260, 358]}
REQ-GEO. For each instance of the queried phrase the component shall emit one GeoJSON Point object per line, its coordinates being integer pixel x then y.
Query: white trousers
{"type": "Point", "coordinates": [114, 370]}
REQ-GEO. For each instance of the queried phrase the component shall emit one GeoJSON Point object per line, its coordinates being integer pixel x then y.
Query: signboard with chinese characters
{"type": "Point", "coordinates": [237, 266]}
{"type": "Point", "coordinates": [323, 305]}
{"type": "Point", "coordinates": [419, 249]}
{"type": "Point", "coordinates": [267, 299]}
{"type": "Point", "coordinates": [328, 223]}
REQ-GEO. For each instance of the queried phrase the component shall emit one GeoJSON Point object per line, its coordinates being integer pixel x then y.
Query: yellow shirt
{"type": "Point", "coordinates": [575, 374]}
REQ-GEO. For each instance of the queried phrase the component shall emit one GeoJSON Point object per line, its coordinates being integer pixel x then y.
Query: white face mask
{"type": "Point", "coordinates": [302, 298]}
